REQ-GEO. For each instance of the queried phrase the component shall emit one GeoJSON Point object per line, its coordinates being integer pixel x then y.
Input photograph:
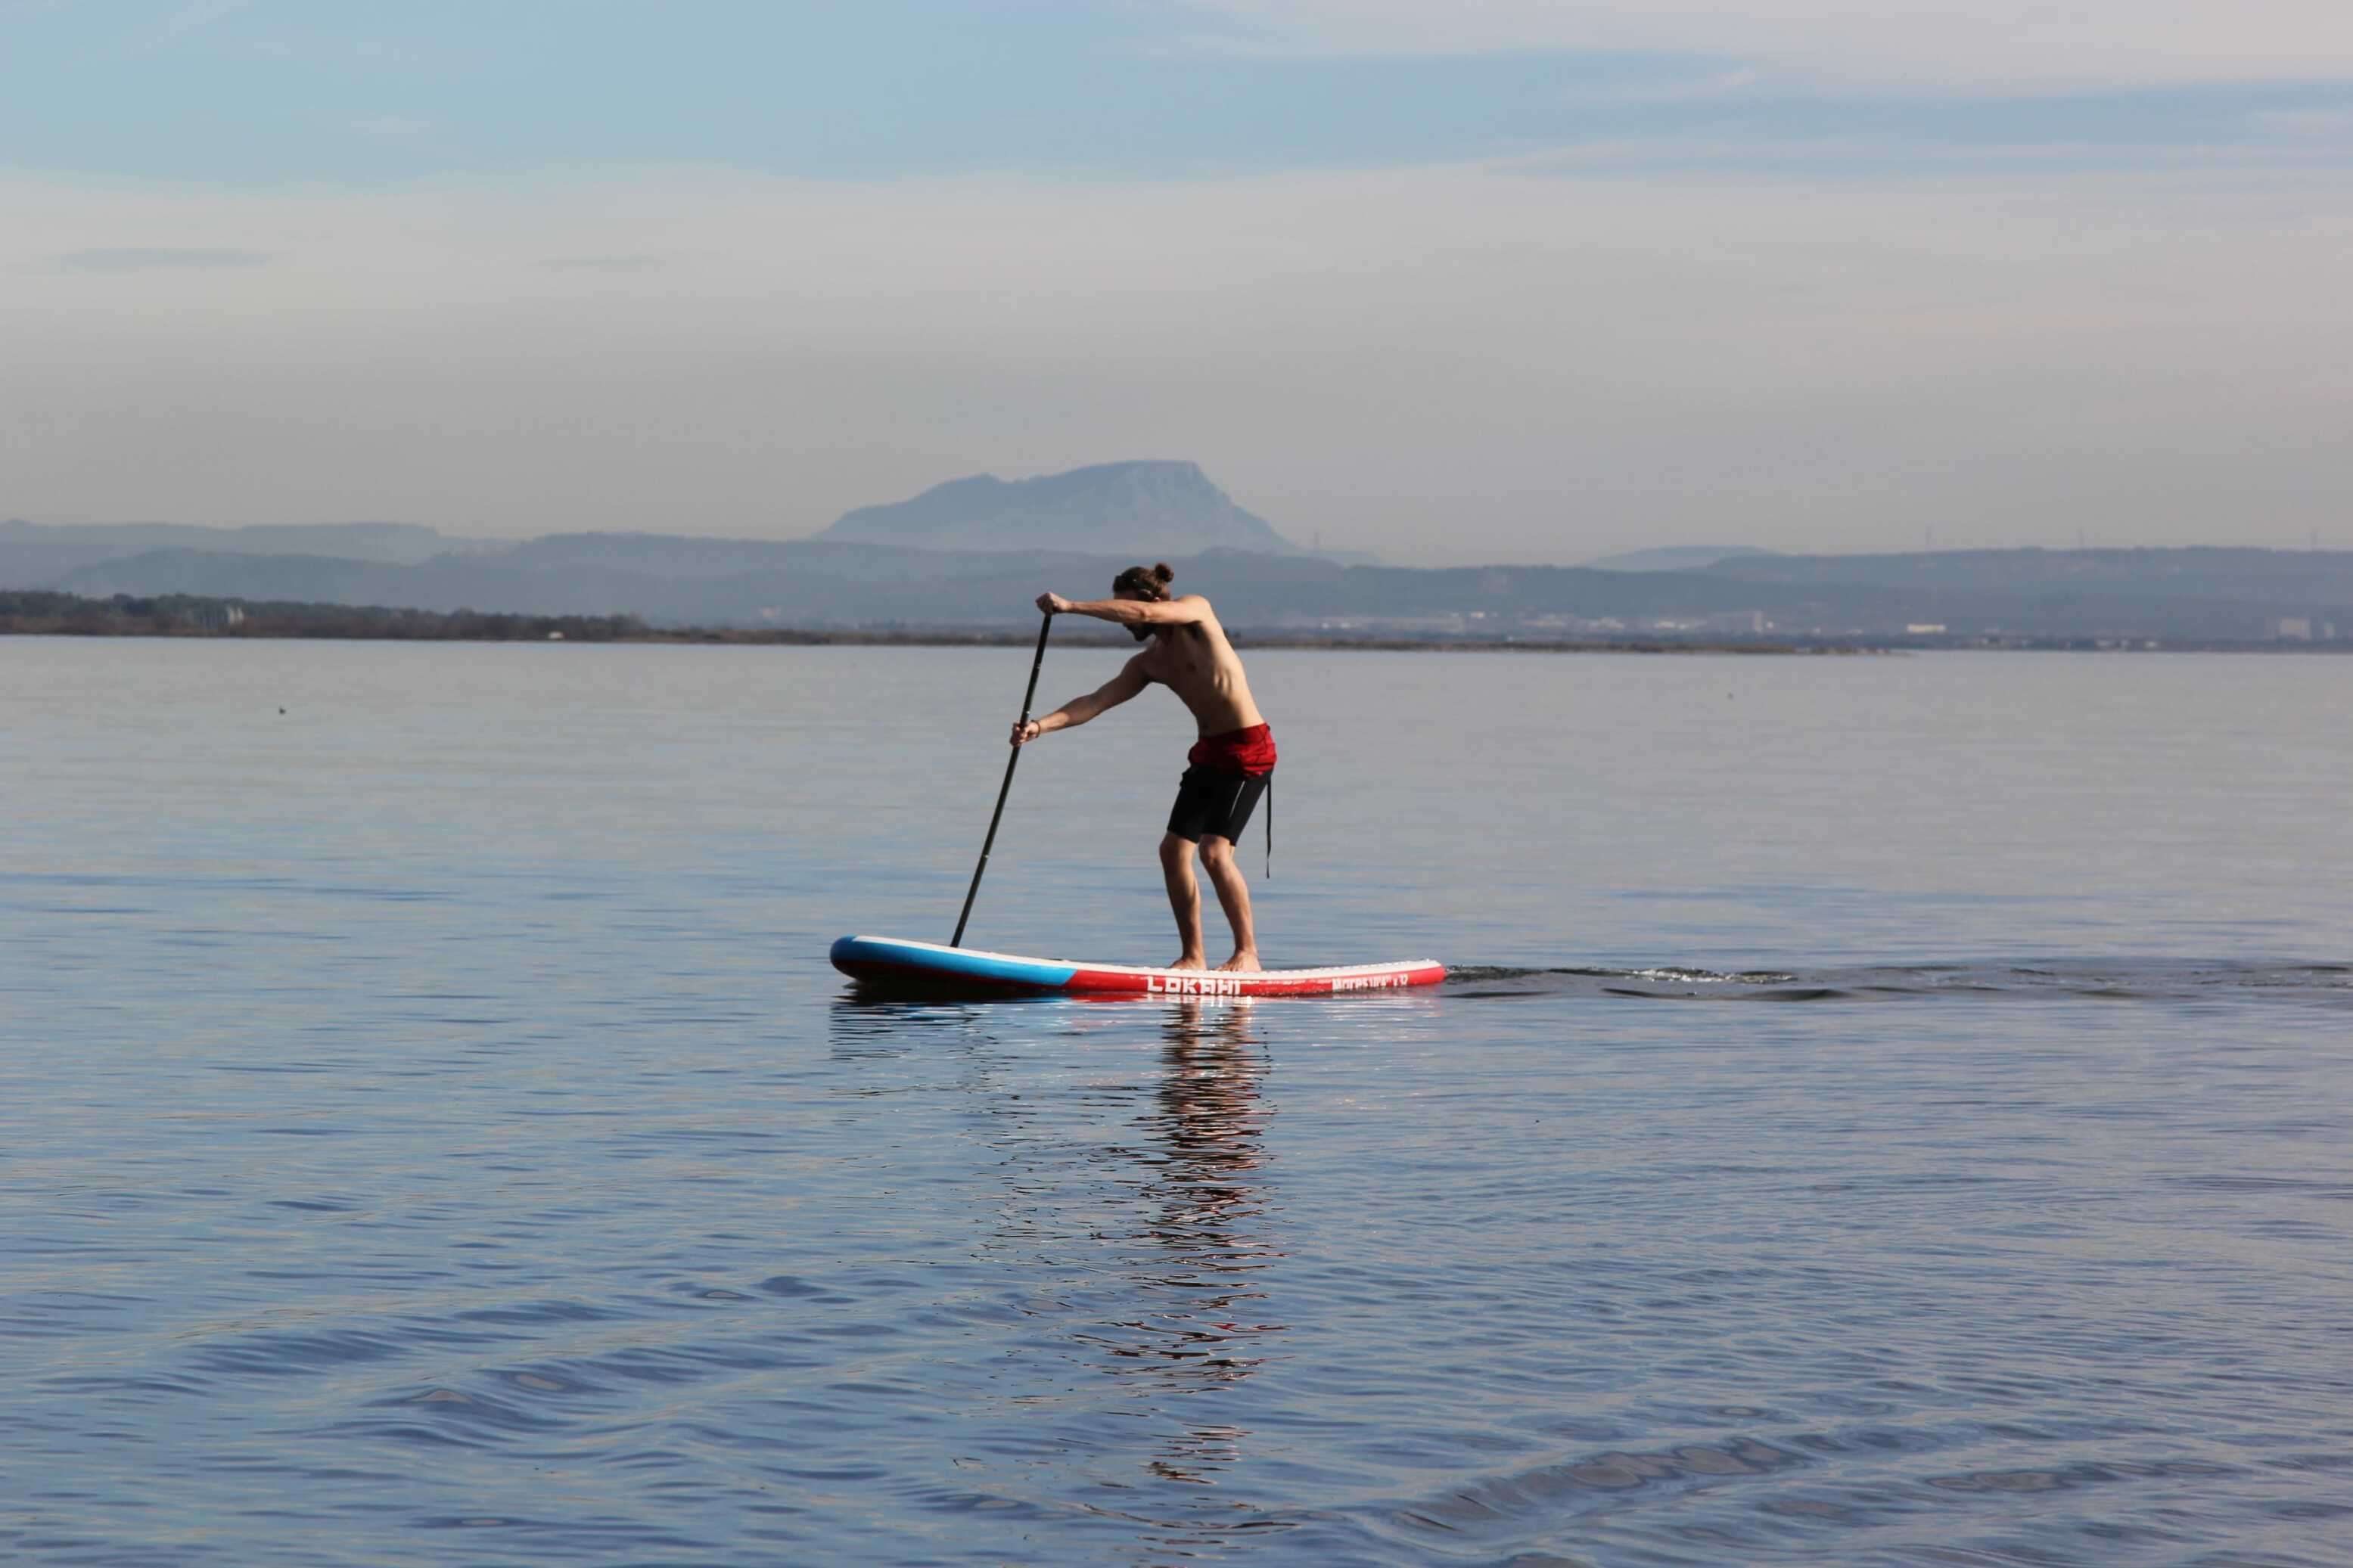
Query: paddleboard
{"type": "Point", "coordinates": [889, 963]}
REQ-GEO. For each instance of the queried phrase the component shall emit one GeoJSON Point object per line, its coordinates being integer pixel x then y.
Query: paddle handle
{"type": "Point", "coordinates": [1012, 759]}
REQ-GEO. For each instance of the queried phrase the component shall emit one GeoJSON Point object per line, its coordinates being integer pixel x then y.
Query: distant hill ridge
{"type": "Point", "coordinates": [1673, 557]}
{"type": "Point", "coordinates": [2241, 594]}
{"type": "Point", "coordinates": [32, 550]}
{"type": "Point", "coordinates": [1149, 507]}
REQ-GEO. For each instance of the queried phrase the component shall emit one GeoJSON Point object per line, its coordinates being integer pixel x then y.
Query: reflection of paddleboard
{"type": "Point", "coordinates": [888, 964]}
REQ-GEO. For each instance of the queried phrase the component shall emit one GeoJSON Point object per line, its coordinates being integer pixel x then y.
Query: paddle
{"type": "Point", "coordinates": [1012, 758]}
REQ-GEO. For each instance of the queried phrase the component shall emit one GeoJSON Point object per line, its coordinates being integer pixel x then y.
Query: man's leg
{"type": "Point", "coordinates": [1233, 897]}
{"type": "Point", "coordinates": [1184, 897]}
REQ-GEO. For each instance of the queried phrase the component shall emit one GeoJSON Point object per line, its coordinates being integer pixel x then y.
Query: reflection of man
{"type": "Point", "coordinates": [1212, 1123]}
{"type": "Point", "coordinates": [1214, 1116]}
{"type": "Point", "coordinates": [1230, 765]}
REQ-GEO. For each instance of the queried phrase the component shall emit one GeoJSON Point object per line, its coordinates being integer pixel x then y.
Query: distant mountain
{"type": "Point", "coordinates": [1145, 511]}
{"type": "Point", "coordinates": [1673, 557]}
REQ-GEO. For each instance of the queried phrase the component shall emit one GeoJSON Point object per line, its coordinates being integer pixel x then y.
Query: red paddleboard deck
{"type": "Point", "coordinates": [889, 963]}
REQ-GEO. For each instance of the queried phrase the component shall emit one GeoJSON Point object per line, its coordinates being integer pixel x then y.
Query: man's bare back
{"type": "Point", "coordinates": [1195, 661]}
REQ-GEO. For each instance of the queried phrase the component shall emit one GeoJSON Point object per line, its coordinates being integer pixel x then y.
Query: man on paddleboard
{"type": "Point", "coordinates": [1229, 766]}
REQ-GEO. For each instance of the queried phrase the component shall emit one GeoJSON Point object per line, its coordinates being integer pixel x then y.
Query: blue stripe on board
{"type": "Point", "coordinates": [959, 963]}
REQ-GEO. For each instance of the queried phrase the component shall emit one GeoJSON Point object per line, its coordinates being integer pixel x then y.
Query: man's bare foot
{"type": "Point", "coordinates": [1243, 962]}
{"type": "Point", "coordinates": [1189, 961]}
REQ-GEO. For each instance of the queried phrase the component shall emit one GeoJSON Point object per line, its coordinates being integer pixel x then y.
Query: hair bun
{"type": "Point", "coordinates": [1144, 582]}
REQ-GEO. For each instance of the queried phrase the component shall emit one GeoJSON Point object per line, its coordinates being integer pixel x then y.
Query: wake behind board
{"type": "Point", "coordinates": [888, 964]}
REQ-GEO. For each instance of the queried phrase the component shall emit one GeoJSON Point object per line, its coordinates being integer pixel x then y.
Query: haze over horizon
{"type": "Point", "coordinates": [1531, 282]}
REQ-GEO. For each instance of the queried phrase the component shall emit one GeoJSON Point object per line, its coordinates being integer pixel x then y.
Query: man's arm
{"type": "Point", "coordinates": [1190, 610]}
{"type": "Point", "coordinates": [1130, 680]}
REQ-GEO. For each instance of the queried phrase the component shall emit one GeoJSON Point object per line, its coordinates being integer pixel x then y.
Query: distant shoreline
{"type": "Point", "coordinates": [799, 637]}
{"type": "Point", "coordinates": [49, 613]}
{"type": "Point", "coordinates": [1248, 641]}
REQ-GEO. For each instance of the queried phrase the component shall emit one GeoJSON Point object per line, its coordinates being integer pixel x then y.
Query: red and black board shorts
{"type": "Point", "coordinates": [1222, 787]}
{"type": "Point", "coordinates": [1213, 804]}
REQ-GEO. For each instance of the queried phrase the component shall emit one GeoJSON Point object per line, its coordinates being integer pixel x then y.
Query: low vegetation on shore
{"type": "Point", "coordinates": [193, 616]}
{"type": "Point", "coordinates": [190, 616]}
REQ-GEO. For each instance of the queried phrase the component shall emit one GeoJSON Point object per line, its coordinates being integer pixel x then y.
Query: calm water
{"type": "Point", "coordinates": [1894, 1110]}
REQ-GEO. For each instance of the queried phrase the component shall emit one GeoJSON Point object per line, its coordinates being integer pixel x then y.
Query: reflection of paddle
{"type": "Point", "coordinates": [1006, 787]}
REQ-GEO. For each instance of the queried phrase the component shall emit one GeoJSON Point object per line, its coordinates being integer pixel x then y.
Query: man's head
{"type": "Point", "coordinates": [1148, 583]}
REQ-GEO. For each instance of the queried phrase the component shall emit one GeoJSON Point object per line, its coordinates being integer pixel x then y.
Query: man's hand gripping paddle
{"type": "Point", "coordinates": [1012, 759]}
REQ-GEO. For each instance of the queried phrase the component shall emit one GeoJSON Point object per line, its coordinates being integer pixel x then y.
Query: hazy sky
{"type": "Point", "coordinates": [1472, 281]}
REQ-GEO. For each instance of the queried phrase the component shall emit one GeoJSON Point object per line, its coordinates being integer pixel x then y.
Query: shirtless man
{"type": "Point", "coordinates": [1231, 764]}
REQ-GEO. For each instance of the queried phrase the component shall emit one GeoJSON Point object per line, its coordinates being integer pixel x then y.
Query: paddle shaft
{"type": "Point", "coordinates": [1013, 758]}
